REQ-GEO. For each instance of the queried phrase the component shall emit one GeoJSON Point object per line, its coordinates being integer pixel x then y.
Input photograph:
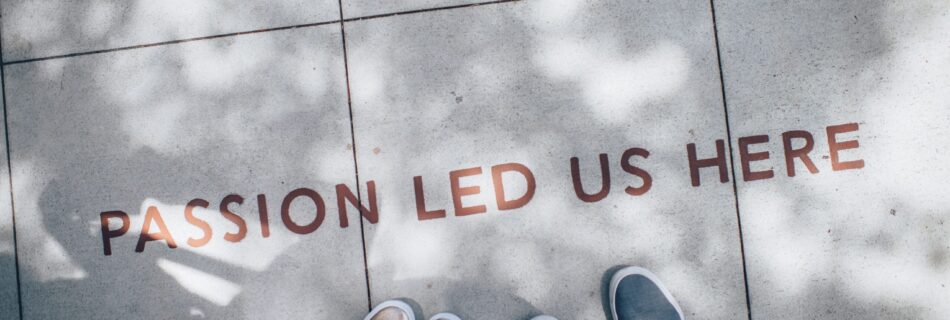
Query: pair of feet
{"type": "Point", "coordinates": [635, 294]}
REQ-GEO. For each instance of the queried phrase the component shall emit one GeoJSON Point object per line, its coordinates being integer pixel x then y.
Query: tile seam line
{"type": "Point", "coordinates": [385, 15]}
{"type": "Point", "coordinates": [356, 168]}
{"type": "Point", "coordinates": [732, 162]}
{"type": "Point", "coordinates": [232, 34]}
{"type": "Point", "coordinates": [165, 43]}
{"type": "Point", "coordinates": [6, 137]}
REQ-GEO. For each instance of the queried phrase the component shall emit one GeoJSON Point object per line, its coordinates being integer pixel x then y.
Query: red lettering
{"type": "Point", "coordinates": [343, 194]}
{"type": "Point", "coordinates": [718, 161]}
{"type": "Point", "coordinates": [458, 192]}
{"type": "Point", "coordinates": [745, 157]}
{"type": "Point", "coordinates": [285, 211]}
{"type": "Point", "coordinates": [262, 214]}
{"type": "Point", "coordinates": [201, 224]}
{"type": "Point", "coordinates": [791, 154]}
{"type": "Point", "coordinates": [108, 234]}
{"type": "Point", "coordinates": [498, 183]}
{"type": "Point", "coordinates": [236, 219]}
{"type": "Point", "coordinates": [835, 146]}
{"type": "Point", "coordinates": [152, 214]}
{"type": "Point", "coordinates": [604, 180]}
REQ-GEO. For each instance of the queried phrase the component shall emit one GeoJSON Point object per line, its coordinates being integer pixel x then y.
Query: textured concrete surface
{"type": "Point", "coordinates": [362, 8]}
{"type": "Point", "coordinates": [254, 114]}
{"type": "Point", "coordinates": [9, 308]}
{"type": "Point", "coordinates": [37, 28]}
{"type": "Point", "coordinates": [532, 82]}
{"type": "Point", "coordinates": [868, 243]}
{"type": "Point", "coordinates": [537, 83]}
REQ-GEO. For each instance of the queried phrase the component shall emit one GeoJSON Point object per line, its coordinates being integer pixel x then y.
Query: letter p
{"type": "Point", "coordinates": [108, 234]}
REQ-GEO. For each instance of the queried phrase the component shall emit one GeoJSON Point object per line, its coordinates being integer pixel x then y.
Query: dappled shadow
{"type": "Point", "coordinates": [36, 29]}
{"type": "Point", "coordinates": [533, 82]}
{"type": "Point", "coordinates": [850, 244]}
{"type": "Point", "coordinates": [538, 83]}
{"type": "Point", "coordinates": [249, 115]}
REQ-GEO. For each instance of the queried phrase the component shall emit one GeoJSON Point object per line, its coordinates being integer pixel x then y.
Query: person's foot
{"type": "Point", "coordinates": [637, 294]}
{"type": "Point", "coordinates": [445, 316]}
{"type": "Point", "coordinates": [391, 310]}
{"type": "Point", "coordinates": [544, 317]}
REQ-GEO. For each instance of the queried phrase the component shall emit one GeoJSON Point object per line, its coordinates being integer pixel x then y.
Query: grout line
{"type": "Point", "coordinates": [356, 168]}
{"type": "Point", "coordinates": [6, 136]}
{"type": "Point", "coordinates": [732, 162]}
{"type": "Point", "coordinates": [307, 25]}
{"type": "Point", "coordinates": [156, 44]}
{"type": "Point", "coordinates": [384, 15]}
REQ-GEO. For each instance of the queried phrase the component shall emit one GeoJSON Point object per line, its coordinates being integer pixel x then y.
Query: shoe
{"type": "Point", "coordinates": [391, 310]}
{"type": "Point", "coordinates": [637, 294]}
{"type": "Point", "coordinates": [445, 316]}
{"type": "Point", "coordinates": [544, 317]}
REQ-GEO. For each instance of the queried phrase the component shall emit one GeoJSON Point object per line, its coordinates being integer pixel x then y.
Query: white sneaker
{"type": "Point", "coordinates": [391, 310]}
{"type": "Point", "coordinates": [445, 316]}
{"type": "Point", "coordinates": [544, 317]}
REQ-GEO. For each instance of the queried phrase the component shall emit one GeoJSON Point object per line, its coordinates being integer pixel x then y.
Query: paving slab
{"type": "Point", "coordinates": [363, 8]}
{"type": "Point", "coordinates": [9, 307]}
{"type": "Point", "coordinates": [145, 132]}
{"type": "Point", "coordinates": [866, 238]}
{"type": "Point", "coordinates": [536, 83]}
{"type": "Point", "coordinates": [36, 28]}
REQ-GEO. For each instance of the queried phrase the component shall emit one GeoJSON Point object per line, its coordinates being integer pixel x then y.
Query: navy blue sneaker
{"type": "Point", "coordinates": [637, 294]}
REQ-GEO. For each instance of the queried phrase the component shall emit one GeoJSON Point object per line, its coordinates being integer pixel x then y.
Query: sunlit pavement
{"type": "Point", "coordinates": [309, 159]}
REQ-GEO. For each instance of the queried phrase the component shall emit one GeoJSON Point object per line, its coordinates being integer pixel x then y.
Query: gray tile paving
{"type": "Point", "coordinates": [145, 131]}
{"type": "Point", "coordinates": [9, 307]}
{"type": "Point", "coordinates": [537, 83]}
{"type": "Point", "coordinates": [867, 243]}
{"type": "Point", "coordinates": [36, 28]}
{"type": "Point", "coordinates": [529, 82]}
